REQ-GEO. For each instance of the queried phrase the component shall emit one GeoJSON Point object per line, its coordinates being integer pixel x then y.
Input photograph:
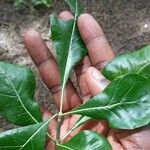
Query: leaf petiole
{"type": "Point", "coordinates": [49, 121]}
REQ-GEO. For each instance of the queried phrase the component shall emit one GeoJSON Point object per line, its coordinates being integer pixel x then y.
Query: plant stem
{"type": "Point", "coordinates": [61, 99]}
{"type": "Point", "coordinates": [58, 129]}
{"type": "Point", "coordinates": [50, 137]}
{"type": "Point", "coordinates": [70, 46]}
{"type": "Point", "coordinates": [69, 132]}
{"type": "Point", "coordinates": [49, 121]}
{"type": "Point", "coordinates": [68, 113]}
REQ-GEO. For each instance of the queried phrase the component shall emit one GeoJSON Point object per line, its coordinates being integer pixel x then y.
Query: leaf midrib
{"type": "Point", "coordinates": [143, 67]}
{"type": "Point", "coordinates": [10, 147]}
{"type": "Point", "coordinates": [63, 146]}
{"type": "Point", "coordinates": [71, 40]}
{"type": "Point", "coordinates": [104, 107]}
{"type": "Point", "coordinates": [32, 136]}
{"type": "Point", "coordinates": [38, 131]}
{"type": "Point", "coordinates": [70, 45]}
{"type": "Point", "coordinates": [109, 105]}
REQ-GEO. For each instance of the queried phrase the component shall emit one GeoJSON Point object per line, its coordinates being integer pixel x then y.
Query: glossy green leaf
{"type": "Point", "coordinates": [25, 138]}
{"type": "Point", "coordinates": [67, 42]}
{"type": "Point", "coordinates": [17, 88]}
{"type": "Point", "coordinates": [124, 103]}
{"type": "Point", "coordinates": [137, 62]}
{"type": "Point", "coordinates": [86, 140]}
{"type": "Point", "coordinates": [74, 6]}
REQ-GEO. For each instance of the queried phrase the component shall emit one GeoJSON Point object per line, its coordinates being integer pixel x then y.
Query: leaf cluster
{"type": "Point", "coordinates": [122, 102]}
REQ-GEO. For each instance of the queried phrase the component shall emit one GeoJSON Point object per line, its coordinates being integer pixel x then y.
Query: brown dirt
{"type": "Point", "coordinates": [126, 25]}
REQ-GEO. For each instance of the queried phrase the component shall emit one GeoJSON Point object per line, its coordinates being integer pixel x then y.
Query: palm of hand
{"type": "Point", "coordinates": [90, 82]}
{"type": "Point", "coordinates": [120, 140]}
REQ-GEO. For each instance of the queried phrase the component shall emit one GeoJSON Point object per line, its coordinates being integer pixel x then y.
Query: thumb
{"type": "Point", "coordinates": [95, 81]}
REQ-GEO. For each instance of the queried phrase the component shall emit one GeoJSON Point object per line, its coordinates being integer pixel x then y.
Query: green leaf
{"type": "Point", "coordinates": [69, 46]}
{"type": "Point", "coordinates": [137, 62]}
{"type": "Point", "coordinates": [75, 7]}
{"type": "Point", "coordinates": [25, 138]}
{"type": "Point", "coordinates": [16, 95]}
{"type": "Point", "coordinates": [124, 103]}
{"type": "Point", "coordinates": [41, 3]}
{"type": "Point", "coordinates": [20, 3]}
{"type": "Point", "coordinates": [86, 140]}
{"type": "Point", "coordinates": [67, 42]}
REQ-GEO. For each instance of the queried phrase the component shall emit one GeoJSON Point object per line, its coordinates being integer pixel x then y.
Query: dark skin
{"type": "Point", "coordinates": [90, 82]}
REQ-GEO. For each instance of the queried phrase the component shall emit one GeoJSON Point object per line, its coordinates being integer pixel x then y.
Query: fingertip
{"type": "Point", "coordinates": [88, 27]}
{"type": "Point", "coordinates": [31, 37]}
{"type": "Point", "coordinates": [65, 15]}
{"type": "Point", "coordinates": [93, 36]}
{"type": "Point", "coordinates": [36, 47]}
{"type": "Point", "coordinates": [85, 16]}
{"type": "Point", "coordinates": [30, 34]}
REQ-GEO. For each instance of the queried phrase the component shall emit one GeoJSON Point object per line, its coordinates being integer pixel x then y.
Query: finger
{"type": "Point", "coordinates": [80, 72]}
{"type": "Point", "coordinates": [99, 50]}
{"type": "Point", "coordinates": [97, 126]}
{"type": "Point", "coordinates": [96, 82]}
{"type": "Point", "coordinates": [42, 58]}
{"type": "Point", "coordinates": [114, 141]}
{"type": "Point", "coordinates": [50, 146]}
{"type": "Point", "coordinates": [65, 15]}
{"type": "Point", "coordinates": [51, 128]}
{"type": "Point", "coordinates": [47, 115]}
{"type": "Point", "coordinates": [48, 70]}
{"type": "Point", "coordinates": [82, 67]}
{"type": "Point", "coordinates": [139, 137]}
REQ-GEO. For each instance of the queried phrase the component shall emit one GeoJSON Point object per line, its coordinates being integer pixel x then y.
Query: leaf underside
{"type": "Point", "coordinates": [25, 138]}
{"type": "Point", "coordinates": [17, 90]}
{"type": "Point", "coordinates": [86, 140]}
{"type": "Point", "coordinates": [121, 103]}
{"type": "Point", "coordinates": [137, 62]}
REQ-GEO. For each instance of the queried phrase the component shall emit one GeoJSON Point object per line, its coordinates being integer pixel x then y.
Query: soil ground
{"type": "Point", "coordinates": [126, 24]}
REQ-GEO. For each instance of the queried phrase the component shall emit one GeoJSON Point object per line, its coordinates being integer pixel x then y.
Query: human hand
{"type": "Point", "coordinates": [90, 82]}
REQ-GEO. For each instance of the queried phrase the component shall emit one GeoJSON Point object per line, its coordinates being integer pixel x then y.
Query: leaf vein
{"type": "Point", "coordinates": [20, 100]}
